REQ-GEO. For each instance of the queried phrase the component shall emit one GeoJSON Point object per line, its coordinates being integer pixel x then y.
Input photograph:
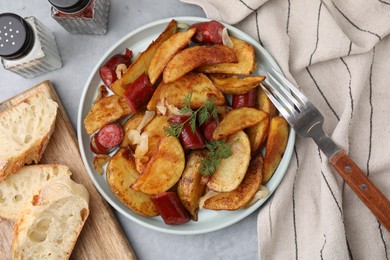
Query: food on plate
{"type": "Point", "coordinates": [236, 120]}
{"type": "Point", "coordinates": [28, 181]}
{"type": "Point", "coordinates": [108, 72]}
{"type": "Point", "coordinates": [243, 194]}
{"type": "Point", "coordinates": [170, 208]}
{"type": "Point", "coordinates": [235, 84]}
{"type": "Point", "coordinates": [51, 221]}
{"type": "Point", "coordinates": [139, 92]}
{"type": "Point", "coordinates": [193, 57]}
{"type": "Point", "coordinates": [246, 64]}
{"type": "Point", "coordinates": [99, 160]}
{"type": "Point", "coordinates": [231, 170]}
{"type": "Point", "coordinates": [107, 110]}
{"type": "Point", "coordinates": [208, 32]}
{"type": "Point", "coordinates": [141, 64]}
{"type": "Point", "coordinates": [101, 93]}
{"type": "Point", "coordinates": [244, 100]}
{"type": "Point", "coordinates": [25, 131]}
{"type": "Point", "coordinates": [190, 186]}
{"type": "Point", "coordinates": [198, 84]}
{"type": "Point", "coordinates": [164, 169]}
{"type": "Point", "coordinates": [121, 174]}
{"type": "Point", "coordinates": [276, 144]}
{"type": "Point", "coordinates": [107, 139]}
{"type": "Point", "coordinates": [166, 51]}
{"type": "Point", "coordinates": [194, 123]}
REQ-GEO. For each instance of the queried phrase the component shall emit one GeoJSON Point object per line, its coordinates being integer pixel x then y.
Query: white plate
{"type": "Point", "coordinates": [209, 220]}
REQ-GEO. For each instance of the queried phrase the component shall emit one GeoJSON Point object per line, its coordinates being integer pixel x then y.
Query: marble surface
{"type": "Point", "coordinates": [79, 55]}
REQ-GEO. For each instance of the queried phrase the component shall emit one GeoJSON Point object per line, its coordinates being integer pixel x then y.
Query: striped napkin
{"type": "Point", "coordinates": [338, 52]}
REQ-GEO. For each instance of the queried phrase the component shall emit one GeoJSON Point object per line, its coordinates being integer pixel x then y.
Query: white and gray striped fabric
{"type": "Point", "coordinates": [338, 52]}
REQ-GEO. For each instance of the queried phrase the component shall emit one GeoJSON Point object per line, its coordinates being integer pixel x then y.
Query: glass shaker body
{"type": "Point", "coordinates": [90, 19]}
{"type": "Point", "coordinates": [43, 55]}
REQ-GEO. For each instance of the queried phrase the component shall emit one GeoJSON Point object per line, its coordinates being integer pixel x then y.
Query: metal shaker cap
{"type": "Point", "coordinates": [16, 36]}
{"type": "Point", "coordinates": [69, 6]}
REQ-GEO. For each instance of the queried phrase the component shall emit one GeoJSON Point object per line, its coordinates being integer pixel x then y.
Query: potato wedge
{"type": "Point", "coordinates": [131, 124]}
{"type": "Point", "coordinates": [190, 186]}
{"type": "Point", "coordinates": [106, 110]}
{"type": "Point", "coordinates": [276, 144]}
{"type": "Point", "coordinates": [141, 64]}
{"type": "Point", "coordinates": [236, 120]}
{"type": "Point", "coordinates": [166, 51]}
{"type": "Point", "coordinates": [265, 104]}
{"type": "Point", "coordinates": [246, 60]}
{"type": "Point", "coordinates": [257, 134]}
{"type": "Point", "coordinates": [236, 85]}
{"type": "Point", "coordinates": [193, 57]}
{"type": "Point", "coordinates": [121, 173]}
{"type": "Point", "coordinates": [198, 84]}
{"type": "Point", "coordinates": [164, 169]}
{"type": "Point", "coordinates": [231, 171]}
{"type": "Point", "coordinates": [155, 131]}
{"type": "Point", "coordinates": [244, 193]}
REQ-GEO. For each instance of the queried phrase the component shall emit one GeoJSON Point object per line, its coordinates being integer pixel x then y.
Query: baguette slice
{"type": "Point", "coordinates": [25, 130]}
{"type": "Point", "coordinates": [18, 188]}
{"type": "Point", "coordinates": [51, 222]}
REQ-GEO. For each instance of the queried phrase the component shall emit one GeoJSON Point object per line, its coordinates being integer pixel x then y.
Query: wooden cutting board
{"type": "Point", "coordinates": [102, 236]}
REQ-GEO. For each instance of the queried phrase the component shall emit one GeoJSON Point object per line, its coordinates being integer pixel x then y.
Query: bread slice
{"type": "Point", "coordinates": [18, 188]}
{"type": "Point", "coordinates": [25, 130]}
{"type": "Point", "coordinates": [51, 222]}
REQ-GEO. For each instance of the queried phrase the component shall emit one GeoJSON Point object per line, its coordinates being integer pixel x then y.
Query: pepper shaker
{"type": "Point", "coordinates": [81, 16]}
{"type": "Point", "coordinates": [27, 47]}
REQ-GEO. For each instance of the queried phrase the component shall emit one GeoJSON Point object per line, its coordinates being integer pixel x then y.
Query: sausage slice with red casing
{"type": "Point", "coordinates": [170, 208]}
{"type": "Point", "coordinates": [108, 137]}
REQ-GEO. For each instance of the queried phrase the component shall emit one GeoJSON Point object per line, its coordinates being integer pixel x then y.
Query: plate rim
{"type": "Point", "coordinates": [168, 229]}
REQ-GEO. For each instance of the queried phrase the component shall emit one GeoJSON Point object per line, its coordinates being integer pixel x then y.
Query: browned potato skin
{"type": "Point", "coordinates": [106, 110]}
{"type": "Point", "coordinates": [121, 173]}
{"type": "Point", "coordinates": [231, 171]}
{"type": "Point", "coordinates": [131, 124]}
{"type": "Point", "coordinates": [234, 84]}
{"type": "Point", "coordinates": [246, 60]}
{"type": "Point", "coordinates": [244, 193]}
{"type": "Point", "coordinates": [193, 57]}
{"type": "Point", "coordinates": [155, 131]}
{"type": "Point", "coordinates": [190, 186]}
{"type": "Point", "coordinates": [198, 84]}
{"type": "Point", "coordinates": [164, 169]}
{"type": "Point", "coordinates": [141, 65]}
{"type": "Point", "coordinates": [276, 144]}
{"type": "Point", "coordinates": [166, 51]}
{"type": "Point", "coordinates": [257, 134]}
{"type": "Point", "coordinates": [265, 104]}
{"type": "Point", "coordinates": [236, 120]}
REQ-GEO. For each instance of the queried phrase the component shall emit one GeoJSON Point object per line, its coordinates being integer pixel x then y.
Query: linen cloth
{"type": "Point", "coordinates": [338, 52]}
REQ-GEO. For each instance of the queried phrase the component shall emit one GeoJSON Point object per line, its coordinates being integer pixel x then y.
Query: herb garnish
{"type": "Point", "coordinates": [217, 150]}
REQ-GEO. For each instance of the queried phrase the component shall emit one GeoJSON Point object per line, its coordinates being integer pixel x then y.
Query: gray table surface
{"type": "Point", "coordinates": [79, 55]}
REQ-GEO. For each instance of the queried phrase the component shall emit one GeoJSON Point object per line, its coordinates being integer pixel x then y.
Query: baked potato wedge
{"type": "Point", "coordinates": [276, 144]}
{"type": "Point", "coordinates": [231, 171]}
{"type": "Point", "coordinates": [166, 51]}
{"type": "Point", "coordinates": [141, 64]}
{"type": "Point", "coordinates": [164, 169]}
{"type": "Point", "coordinates": [106, 110]}
{"type": "Point", "coordinates": [246, 60]}
{"type": "Point", "coordinates": [193, 57]}
{"type": "Point", "coordinates": [234, 84]}
{"type": "Point", "coordinates": [236, 120]}
{"type": "Point", "coordinates": [131, 124]}
{"type": "Point", "coordinates": [265, 104]}
{"type": "Point", "coordinates": [257, 134]}
{"type": "Point", "coordinates": [190, 186]}
{"type": "Point", "coordinates": [121, 173]}
{"type": "Point", "coordinates": [198, 84]}
{"type": "Point", "coordinates": [243, 194]}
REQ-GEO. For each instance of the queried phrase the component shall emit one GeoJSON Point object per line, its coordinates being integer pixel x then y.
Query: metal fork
{"type": "Point", "coordinates": [307, 121]}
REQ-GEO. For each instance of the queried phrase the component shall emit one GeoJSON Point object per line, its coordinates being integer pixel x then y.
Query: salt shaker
{"type": "Point", "coordinates": [81, 16]}
{"type": "Point", "coordinates": [27, 47]}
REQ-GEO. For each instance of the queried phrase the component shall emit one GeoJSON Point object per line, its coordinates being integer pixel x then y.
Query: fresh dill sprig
{"type": "Point", "coordinates": [218, 150]}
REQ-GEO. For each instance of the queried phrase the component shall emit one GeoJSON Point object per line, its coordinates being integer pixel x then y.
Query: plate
{"type": "Point", "coordinates": [209, 220]}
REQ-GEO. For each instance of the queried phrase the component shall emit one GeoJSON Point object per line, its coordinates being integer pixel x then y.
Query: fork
{"type": "Point", "coordinates": [307, 121]}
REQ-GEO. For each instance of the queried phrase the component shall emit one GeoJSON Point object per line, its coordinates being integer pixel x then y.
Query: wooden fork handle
{"type": "Point", "coordinates": [363, 187]}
